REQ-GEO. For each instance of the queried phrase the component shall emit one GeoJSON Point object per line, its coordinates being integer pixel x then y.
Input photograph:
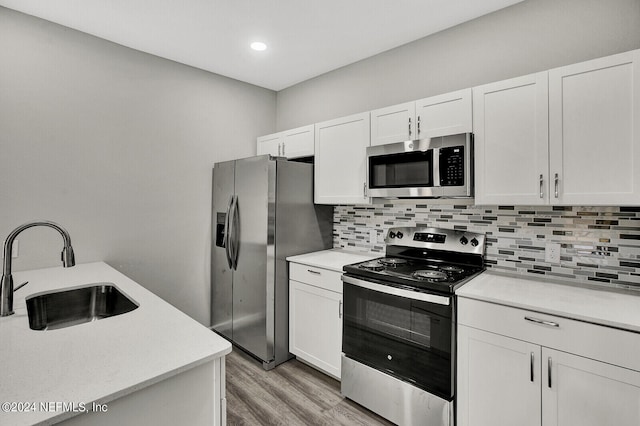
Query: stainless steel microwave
{"type": "Point", "coordinates": [440, 167]}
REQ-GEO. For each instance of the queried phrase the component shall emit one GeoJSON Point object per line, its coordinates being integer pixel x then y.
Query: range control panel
{"type": "Point", "coordinates": [428, 237]}
{"type": "Point", "coordinates": [436, 238]}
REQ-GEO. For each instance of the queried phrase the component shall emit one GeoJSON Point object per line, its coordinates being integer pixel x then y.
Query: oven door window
{"type": "Point", "coordinates": [407, 169]}
{"type": "Point", "coordinates": [406, 338]}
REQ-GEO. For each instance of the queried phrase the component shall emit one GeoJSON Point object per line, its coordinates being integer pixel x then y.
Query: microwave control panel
{"type": "Point", "coordinates": [452, 166]}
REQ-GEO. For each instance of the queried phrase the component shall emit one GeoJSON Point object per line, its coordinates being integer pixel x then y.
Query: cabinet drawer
{"type": "Point", "coordinates": [318, 277]}
{"type": "Point", "coordinates": [607, 344]}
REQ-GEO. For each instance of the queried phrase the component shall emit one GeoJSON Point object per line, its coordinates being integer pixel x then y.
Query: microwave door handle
{"type": "Point", "coordinates": [436, 167]}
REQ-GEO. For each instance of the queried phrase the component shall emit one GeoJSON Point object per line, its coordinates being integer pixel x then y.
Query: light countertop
{"type": "Point", "coordinates": [332, 259]}
{"type": "Point", "coordinates": [98, 361]}
{"type": "Point", "coordinates": [614, 308]}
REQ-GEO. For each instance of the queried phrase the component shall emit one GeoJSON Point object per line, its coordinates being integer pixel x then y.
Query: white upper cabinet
{"type": "Point", "coordinates": [569, 136]}
{"type": "Point", "coordinates": [393, 124]}
{"type": "Point", "coordinates": [510, 126]}
{"type": "Point", "coordinates": [594, 131]}
{"type": "Point", "coordinates": [340, 160]}
{"type": "Point", "coordinates": [298, 142]}
{"type": "Point", "coordinates": [447, 114]}
{"type": "Point", "coordinates": [294, 143]}
{"type": "Point", "coordinates": [268, 144]}
{"type": "Point", "coordinates": [434, 116]}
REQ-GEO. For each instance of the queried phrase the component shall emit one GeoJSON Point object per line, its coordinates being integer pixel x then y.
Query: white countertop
{"type": "Point", "coordinates": [332, 259]}
{"type": "Point", "coordinates": [97, 361]}
{"type": "Point", "coordinates": [614, 308]}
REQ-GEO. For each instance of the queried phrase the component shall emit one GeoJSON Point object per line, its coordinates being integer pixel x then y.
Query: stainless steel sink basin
{"type": "Point", "coordinates": [65, 308]}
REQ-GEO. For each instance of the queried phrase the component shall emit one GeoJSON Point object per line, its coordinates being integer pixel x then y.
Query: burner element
{"type": "Point", "coordinates": [451, 269]}
{"type": "Point", "coordinates": [392, 261]}
{"type": "Point", "coordinates": [373, 265]}
{"type": "Point", "coordinates": [428, 275]}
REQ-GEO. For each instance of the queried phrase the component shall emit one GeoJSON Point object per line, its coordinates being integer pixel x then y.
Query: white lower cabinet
{"type": "Point", "coordinates": [509, 372]}
{"type": "Point", "coordinates": [315, 317]}
{"type": "Point", "coordinates": [497, 383]}
{"type": "Point", "coordinates": [582, 392]}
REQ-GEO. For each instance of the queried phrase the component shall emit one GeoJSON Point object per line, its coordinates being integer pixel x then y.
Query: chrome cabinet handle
{"type": "Point", "coordinates": [532, 362]}
{"type": "Point", "coordinates": [418, 125]}
{"type": "Point", "coordinates": [314, 272]}
{"type": "Point", "coordinates": [340, 309]}
{"type": "Point", "coordinates": [541, 183]}
{"type": "Point", "coordinates": [549, 372]}
{"type": "Point", "coordinates": [409, 127]}
{"type": "Point", "coordinates": [542, 322]}
{"type": "Point", "coordinates": [556, 184]}
{"type": "Point", "coordinates": [283, 146]}
{"type": "Point", "coordinates": [278, 150]}
{"type": "Point", "coordinates": [364, 188]}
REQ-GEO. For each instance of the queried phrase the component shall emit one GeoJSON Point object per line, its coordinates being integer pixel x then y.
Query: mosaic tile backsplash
{"type": "Point", "coordinates": [599, 245]}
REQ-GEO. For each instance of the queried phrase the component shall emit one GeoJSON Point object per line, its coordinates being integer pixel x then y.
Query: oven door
{"type": "Point", "coordinates": [405, 333]}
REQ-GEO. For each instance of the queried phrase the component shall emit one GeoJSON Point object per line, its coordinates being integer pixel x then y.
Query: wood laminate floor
{"type": "Point", "coordinates": [291, 394]}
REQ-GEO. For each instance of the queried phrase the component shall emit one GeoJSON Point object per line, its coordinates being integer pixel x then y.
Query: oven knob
{"type": "Point", "coordinates": [389, 357]}
{"type": "Point", "coordinates": [464, 240]}
{"type": "Point", "coordinates": [392, 234]}
{"type": "Point", "coordinates": [474, 242]}
{"type": "Point", "coordinates": [399, 234]}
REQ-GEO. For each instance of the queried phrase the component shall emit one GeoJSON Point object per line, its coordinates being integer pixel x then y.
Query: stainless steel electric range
{"type": "Point", "coordinates": [399, 324]}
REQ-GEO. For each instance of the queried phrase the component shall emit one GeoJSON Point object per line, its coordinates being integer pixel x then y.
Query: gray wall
{"type": "Point", "coordinates": [530, 36]}
{"type": "Point", "coordinates": [117, 146]}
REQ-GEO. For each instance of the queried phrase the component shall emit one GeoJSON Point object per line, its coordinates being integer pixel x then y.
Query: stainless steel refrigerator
{"type": "Point", "coordinates": [263, 211]}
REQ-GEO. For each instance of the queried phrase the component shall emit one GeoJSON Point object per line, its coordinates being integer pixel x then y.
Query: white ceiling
{"type": "Point", "coordinates": [306, 38]}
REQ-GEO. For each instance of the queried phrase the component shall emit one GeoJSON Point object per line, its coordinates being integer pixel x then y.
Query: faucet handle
{"type": "Point", "coordinates": [18, 287]}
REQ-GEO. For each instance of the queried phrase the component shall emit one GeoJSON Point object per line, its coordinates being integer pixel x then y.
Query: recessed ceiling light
{"type": "Point", "coordinates": [258, 45]}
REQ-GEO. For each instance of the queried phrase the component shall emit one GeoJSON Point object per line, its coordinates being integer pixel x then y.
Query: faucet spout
{"type": "Point", "coordinates": [6, 285]}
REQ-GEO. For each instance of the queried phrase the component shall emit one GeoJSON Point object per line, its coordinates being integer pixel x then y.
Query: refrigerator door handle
{"type": "Point", "coordinates": [236, 234]}
{"type": "Point", "coordinates": [227, 225]}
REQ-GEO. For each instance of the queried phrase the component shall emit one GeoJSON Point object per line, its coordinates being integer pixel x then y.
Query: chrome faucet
{"type": "Point", "coordinates": [6, 289]}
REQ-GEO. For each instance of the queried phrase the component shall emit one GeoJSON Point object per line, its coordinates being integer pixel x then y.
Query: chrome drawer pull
{"type": "Point", "coordinates": [313, 272]}
{"type": "Point", "coordinates": [542, 322]}
{"type": "Point", "coordinates": [549, 373]}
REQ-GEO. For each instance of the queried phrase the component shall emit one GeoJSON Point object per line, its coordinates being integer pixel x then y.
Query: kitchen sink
{"type": "Point", "coordinates": [66, 308]}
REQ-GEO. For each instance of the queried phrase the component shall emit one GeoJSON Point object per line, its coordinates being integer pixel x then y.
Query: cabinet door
{"type": "Point", "coordinates": [298, 142]}
{"type": "Point", "coordinates": [446, 114]}
{"type": "Point", "coordinates": [269, 144]}
{"type": "Point", "coordinates": [498, 380]}
{"type": "Point", "coordinates": [511, 141]}
{"type": "Point", "coordinates": [579, 391]}
{"type": "Point", "coordinates": [340, 160]}
{"type": "Point", "coordinates": [393, 124]}
{"type": "Point", "coordinates": [315, 326]}
{"type": "Point", "coordinates": [594, 128]}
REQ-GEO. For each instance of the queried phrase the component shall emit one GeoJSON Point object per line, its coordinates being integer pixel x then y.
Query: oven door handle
{"type": "Point", "coordinates": [395, 291]}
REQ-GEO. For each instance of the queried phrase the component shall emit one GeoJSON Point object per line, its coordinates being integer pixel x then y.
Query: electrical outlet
{"type": "Point", "coordinates": [552, 253]}
{"type": "Point", "coordinates": [373, 236]}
